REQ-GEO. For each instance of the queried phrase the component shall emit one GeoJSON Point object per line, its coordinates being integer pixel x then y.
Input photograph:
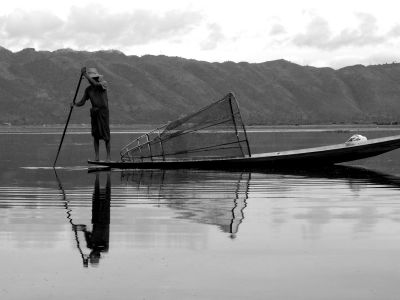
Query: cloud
{"type": "Point", "coordinates": [365, 34]}
{"type": "Point", "coordinates": [215, 36]}
{"type": "Point", "coordinates": [386, 57]}
{"type": "Point", "coordinates": [319, 35]}
{"type": "Point", "coordinates": [277, 29]}
{"type": "Point", "coordinates": [35, 24]}
{"type": "Point", "coordinates": [93, 26]}
{"type": "Point", "coordinates": [131, 28]}
{"type": "Point", "coordinates": [395, 31]}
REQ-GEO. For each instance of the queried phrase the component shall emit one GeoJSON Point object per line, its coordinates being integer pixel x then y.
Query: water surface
{"type": "Point", "coordinates": [184, 234]}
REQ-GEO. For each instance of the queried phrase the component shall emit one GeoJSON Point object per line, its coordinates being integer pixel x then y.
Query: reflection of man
{"type": "Point", "coordinates": [98, 239]}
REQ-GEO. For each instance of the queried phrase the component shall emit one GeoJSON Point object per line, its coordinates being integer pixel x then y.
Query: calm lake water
{"type": "Point", "coordinates": [186, 234]}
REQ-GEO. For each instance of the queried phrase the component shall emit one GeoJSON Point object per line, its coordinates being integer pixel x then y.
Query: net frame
{"type": "Point", "coordinates": [155, 145]}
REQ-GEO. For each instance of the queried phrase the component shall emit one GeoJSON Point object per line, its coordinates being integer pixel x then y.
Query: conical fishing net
{"type": "Point", "coordinates": [216, 131]}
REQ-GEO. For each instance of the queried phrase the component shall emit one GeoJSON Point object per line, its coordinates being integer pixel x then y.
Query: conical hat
{"type": "Point", "coordinates": [92, 72]}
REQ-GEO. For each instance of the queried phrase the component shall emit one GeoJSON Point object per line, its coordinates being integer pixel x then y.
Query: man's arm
{"type": "Point", "coordinates": [83, 100]}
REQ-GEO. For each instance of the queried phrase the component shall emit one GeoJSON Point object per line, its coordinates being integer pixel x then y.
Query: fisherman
{"type": "Point", "coordinates": [99, 114]}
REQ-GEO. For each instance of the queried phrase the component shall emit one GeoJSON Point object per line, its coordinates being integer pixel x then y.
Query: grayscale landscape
{"type": "Point", "coordinates": [208, 149]}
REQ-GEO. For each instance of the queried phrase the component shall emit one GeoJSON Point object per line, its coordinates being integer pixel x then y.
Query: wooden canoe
{"type": "Point", "coordinates": [310, 157]}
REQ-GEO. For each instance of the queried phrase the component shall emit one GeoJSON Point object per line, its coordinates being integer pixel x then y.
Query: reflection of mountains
{"type": "Point", "coordinates": [205, 197]}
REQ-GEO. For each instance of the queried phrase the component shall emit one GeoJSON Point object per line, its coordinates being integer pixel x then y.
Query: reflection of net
{"type": "Point", "coordinates": [216, 131]}
{"type": "Point", "coordinates": [217, 198]}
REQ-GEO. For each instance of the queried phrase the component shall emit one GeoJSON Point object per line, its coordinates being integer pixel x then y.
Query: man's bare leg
{"type": "Point", "coordinates": [96, 149]}
{"type": "Point", "coordinates": [108, 150]}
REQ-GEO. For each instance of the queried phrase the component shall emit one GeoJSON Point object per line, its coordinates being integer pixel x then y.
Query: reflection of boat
{"type": "Point", "coordinates": [220, 198]}
{"type": "Point", "coordinates": [349, 173]}
{"type": "Point", "coordinates": [215, 198]}
{"type": "Point", "coordinates": [215, 138]}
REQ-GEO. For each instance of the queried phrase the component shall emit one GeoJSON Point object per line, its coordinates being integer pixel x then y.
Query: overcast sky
{"type": "Point", "coordinates": [318, 33]}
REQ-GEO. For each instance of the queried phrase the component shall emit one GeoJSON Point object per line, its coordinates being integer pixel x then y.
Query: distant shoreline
{"type": "Point", "coordinates": [144, 128]}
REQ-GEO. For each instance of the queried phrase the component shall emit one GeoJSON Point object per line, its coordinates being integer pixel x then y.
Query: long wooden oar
{"type": "Point", "coordinates": [69, 116]}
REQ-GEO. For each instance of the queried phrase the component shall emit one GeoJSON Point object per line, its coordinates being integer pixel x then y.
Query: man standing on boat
{"type": "Point", "coordinates": [96, 92]}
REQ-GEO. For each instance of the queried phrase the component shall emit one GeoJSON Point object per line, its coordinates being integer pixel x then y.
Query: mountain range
{"type": "Point", "coordinates": [36, 87]}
